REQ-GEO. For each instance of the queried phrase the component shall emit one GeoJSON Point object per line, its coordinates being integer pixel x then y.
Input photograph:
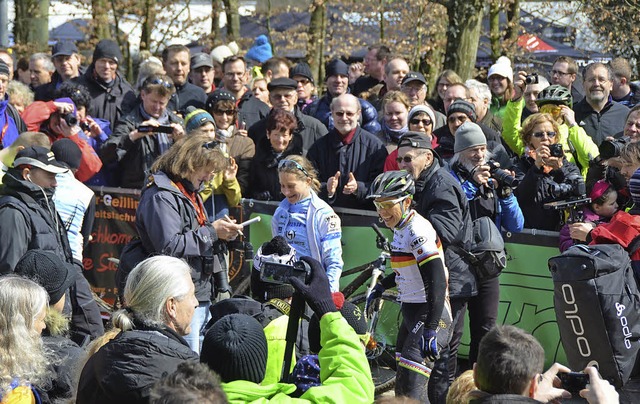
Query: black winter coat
{"type": "Point", "coordinates": [533, 190]}
{"type": "Point", "coordinates": [125, 369]}
{"type": "Point", "coordinates": [186, 95]}
{"type": "Point", "coordinates": [441, 200]}
{"type": "Point", "coordinates": [251, 109]}
{"type": "Point", "coordinates": [263, 174]}
{"type": "Point", "coordinates": [364, 157]}
{"type": "Point", "coordinates": [599, 125]}
{"type": "Point", "coordinates": [107, 102]}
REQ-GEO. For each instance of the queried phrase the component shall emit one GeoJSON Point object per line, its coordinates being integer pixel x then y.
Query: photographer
{"type": "Point", "coordinates": [58, 119]}
{"type": "Point", "coordinates": [609, 165]}
{"type": "Point", "coordinates": [489, 192]}
{"type": "Point", "coordinates": [544, 173]}
{"type": "Point", "coordinates": [556, 100]}
{"type": "Point", "coordinates": [148, 131]}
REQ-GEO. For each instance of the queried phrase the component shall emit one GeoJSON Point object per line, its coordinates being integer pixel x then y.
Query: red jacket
{"type": "Point", "coordinates": [622, 229]}
{"type": "Point", "coordinates": [36, 118]}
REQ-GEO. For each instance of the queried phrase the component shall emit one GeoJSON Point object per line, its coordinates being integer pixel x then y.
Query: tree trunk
{"type": "Point", "coordinates": [148, 23]}
{"type": "Point", "coordinates": [316, 34]}
{"type": "Point", "coordinates": [513, 28]}
{"type": "Point", "coordinates": [494, 29]}
{"type": "Point", "coordinates": [233, 20]}
{"type": "Point", "coordinates": [465, 17]}
{"type": "Point", "coordinates": [31, 26]}
{"type": "Point", "coordinates": [216, 9]}
{"type": "Point", "coordinates": [100, 23]}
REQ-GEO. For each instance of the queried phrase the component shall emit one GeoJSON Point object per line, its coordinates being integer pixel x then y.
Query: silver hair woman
{"type": "Point", "coordinates": [23, 305]}
{"type": "Point", "coordinates": [153, 288]}
{"type": "Point", "coordinates": [160, 301]}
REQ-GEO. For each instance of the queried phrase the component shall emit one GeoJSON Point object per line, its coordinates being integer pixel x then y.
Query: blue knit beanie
{"type": "Point", "coordinates": [196, 118]}
{"type": "Point", "coordinates": [261, 50]}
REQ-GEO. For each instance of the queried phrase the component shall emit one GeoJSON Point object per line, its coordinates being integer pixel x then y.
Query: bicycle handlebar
{"type": "Point", "coordinates": [377, 230]}
{"type": "Point", "coordinates": [381, 241]}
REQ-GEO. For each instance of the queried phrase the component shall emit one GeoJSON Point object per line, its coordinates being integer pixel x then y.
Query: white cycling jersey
{"type": "Point", "coordinates": [415, 242]}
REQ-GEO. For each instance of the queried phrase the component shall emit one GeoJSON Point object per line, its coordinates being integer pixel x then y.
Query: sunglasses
{"type": "Point", "coordinates": [550, 135]}
{"type": "Point", "coordinates": [461, 118]}
{"type": "Point", "coordinates": [416, 121]}
{"type": "Point", "coordinates": [224, 111]}
{"type": "Point", "coordinates": [294, 165]}
{"type": "Point", "coordinates": [211, 145]}
{"type": "Point", "coordinates": [158, 81]}
{"type": "Point", "coordinates": [304, 82]}
{"type": "Point", "coordinates": [388, 204]}
{"type": "Point", "coordinates": [406, 159]}
{"type": "Point", "coordinates": [343, 113]}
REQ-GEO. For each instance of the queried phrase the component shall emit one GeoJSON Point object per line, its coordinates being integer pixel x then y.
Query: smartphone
{"type": "Point", "coordinates": [155, 129]}
{"type": "Point", "coordinates": [242, 125]}
{"type": "Point", "coordinates": [573, 382]}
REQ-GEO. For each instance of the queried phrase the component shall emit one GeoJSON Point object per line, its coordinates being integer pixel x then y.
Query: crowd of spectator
{"type": "Point", "coordinates": [200, 130]}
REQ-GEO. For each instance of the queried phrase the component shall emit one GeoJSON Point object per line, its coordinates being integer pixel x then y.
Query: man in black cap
{"type": "Point", "coordinates": [415, 87]}
{"type": "Point", "coordinates": [67, 63]}
{"type": "Point", "coordinates": [337, 82]}
{"type": "Point", "coordinates": [283, 95]}
{"type": "Point", "coordinates": [26, 204]}
{"type": "Point", "coordinates": [176, 63]}
{"type": "Point", "coordinates": [202, 73]}
{"type": "Point", "coordinates": [111, 94]}
{"type": "Point", "coordinates": [306, 89]}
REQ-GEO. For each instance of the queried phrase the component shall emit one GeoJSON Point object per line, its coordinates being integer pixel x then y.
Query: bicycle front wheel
{"type": "Point", "coordinates": [382, 357]}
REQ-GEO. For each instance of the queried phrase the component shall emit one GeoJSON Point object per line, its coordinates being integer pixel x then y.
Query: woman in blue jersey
{"type": "Point", "coordinates": [307, 222]}
{"type": "Point", "coordinates": [418, 267]}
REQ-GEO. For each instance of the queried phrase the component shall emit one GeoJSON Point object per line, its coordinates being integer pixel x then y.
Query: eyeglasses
{"type": "Point", "coordinates": [158, 81]}
{"type": "Point", "coordinates": [224, 111]}
{"type": "Point", "coordinates": [559, 73]}
{"type": "Point", "coordinates": [211, 145]}
{"type": "Point", "coordinates": [304, 82]}
{"type": "Point", "coordinates": [288, 95]}
{"type": "Point", "coordinates": [407, 159]}
{"type": "Point", "coordinates": [384, 205]}
{"type": "Point", "coordinates": [443, 85]}
{"type": "Point", "coordinates": [550, 135]}
{"type": "Point", "coordinates": [294, 165]}
{"type": "Point", "coordinates": [343, 113]}
{"type": "Point", "coordinates": [416, 121]}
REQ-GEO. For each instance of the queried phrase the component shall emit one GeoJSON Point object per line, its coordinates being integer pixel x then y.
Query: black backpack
{"type": "Point", "coordinates": [597, 305]}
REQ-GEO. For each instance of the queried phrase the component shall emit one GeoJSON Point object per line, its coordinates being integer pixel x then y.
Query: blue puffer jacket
{"type": "Point", "coordinates": [321, 110]}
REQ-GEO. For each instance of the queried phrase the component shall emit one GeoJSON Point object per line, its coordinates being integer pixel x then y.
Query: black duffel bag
{"type": "Point", "coordinates": [597, 307]}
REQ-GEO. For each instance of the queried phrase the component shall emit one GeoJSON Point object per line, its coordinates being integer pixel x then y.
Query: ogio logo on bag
{"type": "Point", "coordinates": [576, 322]}
{"type": "Point", "coordinates": [625, 325]}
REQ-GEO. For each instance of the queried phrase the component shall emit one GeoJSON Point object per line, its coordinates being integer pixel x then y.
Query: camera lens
{"type": "Point", "coordinates": [70, 120]}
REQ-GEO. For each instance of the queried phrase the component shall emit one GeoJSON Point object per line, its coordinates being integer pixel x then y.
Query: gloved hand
{"type": "Point", "coordinates": [317, 292]}
{"type": "Point", "coordinates": [429, 344]}
{"type": "Point", "coordinates": [376, 293]}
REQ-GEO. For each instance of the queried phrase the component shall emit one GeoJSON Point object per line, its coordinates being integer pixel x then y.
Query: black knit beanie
{"type": "Point", "coordinates": [49, 271]}
{"type": "Point", "coordinates": [4, 68]}
{"type": "Point", "coordinates": [236, 348]}
{"type": "Point", "coordinates": [107, 48]}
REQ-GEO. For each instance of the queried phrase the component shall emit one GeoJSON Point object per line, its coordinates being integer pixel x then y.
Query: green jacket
{"type": "Point", "coordinates": [276, 333]}
{"type": "Point", "coordinates": [572, 138]}
{"type": "Point", "coordinates": [344, 372]}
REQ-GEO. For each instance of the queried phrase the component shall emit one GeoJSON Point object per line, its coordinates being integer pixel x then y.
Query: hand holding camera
{"type": "Point", "coordinates": [599, 391]}
{"type": "Point", "coordinates": [316, 291]}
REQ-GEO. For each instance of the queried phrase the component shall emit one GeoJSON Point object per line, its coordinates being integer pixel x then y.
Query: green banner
{"type": "Point", "coordinates": [526, 288]}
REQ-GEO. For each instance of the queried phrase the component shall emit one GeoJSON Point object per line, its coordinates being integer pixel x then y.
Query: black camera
{"type": "Point", "coordinates": [281, 273]}
{"type": "Point", "coordinates": [70, 119]}
{"type": "Point", "coordinates": [612, 148]}
{"type": "Point", "coordinates": [573, 382]}
{"type": "Point", "coordinates": [556, 150]}
{"type": "Point", "coordinates": [85, 126]}
{"type": "Point", "coordinates": [573, 187]}
{"type": "Point", "coordinates": [503, 177]}
{"type": "Point", "coordinates": [532, 79]}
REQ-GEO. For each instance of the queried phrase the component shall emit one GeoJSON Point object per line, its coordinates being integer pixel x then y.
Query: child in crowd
{"type": "Point", "coordinates": [602, 208]}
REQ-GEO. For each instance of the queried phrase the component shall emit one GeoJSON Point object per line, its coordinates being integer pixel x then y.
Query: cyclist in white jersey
{"type": "Point", "coordinates": [418, 267]}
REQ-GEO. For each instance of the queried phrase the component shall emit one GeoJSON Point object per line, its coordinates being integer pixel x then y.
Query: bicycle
{"type": "Point", "coordinates": [383, 325]}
